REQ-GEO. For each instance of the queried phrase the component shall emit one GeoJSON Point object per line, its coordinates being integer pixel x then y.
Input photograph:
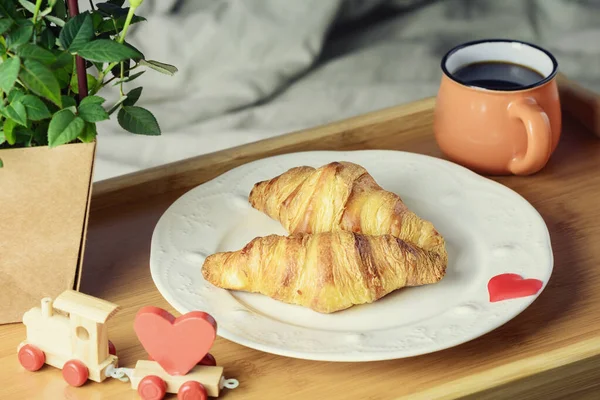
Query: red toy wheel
{"type": "Point", "coordinates": [75, 373]}
{"type": "Point", "coordinates": [192, 390]}
{"type": "Point", "coordinates": [31, 357]}
{"type": "Point", "coordinates": [111, 348]}
{"type": "Point", "coordinates": [152, 388]}
{"type": "Point", "coordinates": [209, 360]}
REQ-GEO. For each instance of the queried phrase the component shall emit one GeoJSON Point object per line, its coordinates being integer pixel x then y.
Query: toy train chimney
{"type": "Point", "coordinates": [47, 307]}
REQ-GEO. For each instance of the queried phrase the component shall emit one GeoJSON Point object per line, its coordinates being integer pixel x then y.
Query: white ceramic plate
{"type": "Point", "coordinates": [489, 230]}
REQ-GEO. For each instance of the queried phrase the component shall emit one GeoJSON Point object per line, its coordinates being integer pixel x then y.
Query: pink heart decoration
{"type": "Point", "coordinates": [512, 286]}
{"type": "Point", "coordinates": [177, 344]}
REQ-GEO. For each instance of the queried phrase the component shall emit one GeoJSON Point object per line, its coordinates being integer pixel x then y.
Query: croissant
{"type": "Point", "coordinates": [341, 196]}
{"type": "Point", "coordinates": [326, 272]}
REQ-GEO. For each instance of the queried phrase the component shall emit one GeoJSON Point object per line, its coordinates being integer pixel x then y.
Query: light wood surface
{"type": "Point", "coordinates": [580, 102]}
{"type": "Point", "coordinates": [550, 351]}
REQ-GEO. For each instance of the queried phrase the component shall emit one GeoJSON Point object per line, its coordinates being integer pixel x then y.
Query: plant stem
{"type": "Point", "coordinates": [38, 4]}
{"type": "Point", "coordinates": [121, 39]}
{"type": "Point", "coordinates": [36, 11]}
{"type": "Point", "coordinates": [80, 62]}
{"type": "Point", "coordinates": [127, 23]}
{"type": "Point", "coordinates": [122, 75]}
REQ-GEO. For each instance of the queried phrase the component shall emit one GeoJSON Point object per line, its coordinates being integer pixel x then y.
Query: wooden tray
{"type": "Point", "coordinates": [552, 350]}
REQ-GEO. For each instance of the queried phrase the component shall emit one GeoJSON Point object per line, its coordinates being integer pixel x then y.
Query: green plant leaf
{"type": "Point", "coordinates": [138, 120]}
{"type": "Point", "coordinates": [9, 71]}
{"type": "Point", "coordinates": [128, 78]}
{"type": "Point", "coordinates": [141, 55]}
{"type": "Point", "coordinates": [36, 108]}
{"type": "Point", "coordinates": [5, 24]}
{"type": "Point", "coordinates": [23, 136]}
{"type": "Point", "coordinates": [160, 67]}
{"type": "Point", "coordinates": [91, 82]}
{"type": "Point", "coordinates": [77, 32]}
{"type": "Point", "coordinates": [20, 35]}
{"type": "Point", "coordinates": [9, 131]}
{"type": "Point", "coordinates": [64, 128]}
{"type": "Point", "coordinates": [112, 10]}
{"type": "Point", "coordinates": [47, 39]}
{"type": "Point", "coordinates": [104, 50]}
{"type": "Point", "coordinates": [16, 111]}
{"type": "Point", "coordinates": [97, 19]}
{"type": "Point", "coordinates": [29, 6]}
{"type": "Point", "coordinates": [89, 133]}
{"type": "Point", "coordinates": [92, 100]}
{"type": "Point", "coordinates": [40, 133]}
{"type": "Point", "coordinates": [15, 94]}
{"type": "Point", "coordinates": [68, 102]}
{"type": "Point", "coordinates": [40, 80]}
{"type": "Point", "coordinates": [1, 163]}
{"type": "Point", "coordinates": [34, 52]}
{"type": "Point", "coordinates": [56, 21]}
{"type": "Point", "coordinates": [118, 3]}
{"type": "Point", "coordinates": [60, 9]}
{"type": "Point", "coordinates": [109, 24]}
{"type": "Point", "coordinates": [92, 111]}
{"type": "Point", "coordinates": [133, 96]}
{"type": "Point", "coordinates": [45, 12]}
{"type": "Point", "coordinates": [2, 49]}
{"type": "Point", "coordinates": [8, 9]}
{"type": "Point", "coordinates": [63, 59]}
{"type": "Point", "coordinates": [63, 68]}
{"type": "Point", "coordinates": [2, 137]}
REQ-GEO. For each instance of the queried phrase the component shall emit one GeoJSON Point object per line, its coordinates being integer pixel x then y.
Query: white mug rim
{"type": "Point", "coordinates": [541, 82]}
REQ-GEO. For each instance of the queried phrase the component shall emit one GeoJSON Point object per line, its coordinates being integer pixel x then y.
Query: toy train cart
{"type": "Point", "coordinates": [69, 333]}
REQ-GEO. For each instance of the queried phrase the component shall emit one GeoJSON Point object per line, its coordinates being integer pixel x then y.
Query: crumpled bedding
{"type": "Point", "coordinates": [253, 69]}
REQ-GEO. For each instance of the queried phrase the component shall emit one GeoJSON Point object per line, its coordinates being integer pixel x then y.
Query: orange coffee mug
{"type": "Point", "coordinates": [497, 111]}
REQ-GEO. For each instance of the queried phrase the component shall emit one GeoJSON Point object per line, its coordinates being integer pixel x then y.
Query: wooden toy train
{"type": "Point", "coordinates": [70, 333]}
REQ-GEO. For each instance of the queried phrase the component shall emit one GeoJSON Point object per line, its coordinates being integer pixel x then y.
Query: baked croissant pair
{"type": "Point", "coordinates": [351, 242]}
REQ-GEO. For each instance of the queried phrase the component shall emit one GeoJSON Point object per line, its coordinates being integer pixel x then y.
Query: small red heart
{"type": "Point", "coordinates": [177, 344]}
{"type": "Point", "coordinates": [512, 286]}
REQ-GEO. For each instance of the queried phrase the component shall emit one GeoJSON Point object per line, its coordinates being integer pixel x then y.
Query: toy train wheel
{"type": "Point", "coordinates": [31, 357]}
{"type": "Point", "coordinates": [192, 390]}
{"type": "Point", "coordinates": [111, 348]}
{"type": "Point", "coordinates": [209, 360]}
{"type": "Point", "coordinates": [75, 373]}
{"type": "Point", "coordinates": [152, 388]}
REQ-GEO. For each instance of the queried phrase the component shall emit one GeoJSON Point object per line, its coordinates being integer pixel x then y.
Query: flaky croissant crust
{"type": "Point", "coordinates": [341, 196]}
{"type": "Point", "coordinates": [326, 272]}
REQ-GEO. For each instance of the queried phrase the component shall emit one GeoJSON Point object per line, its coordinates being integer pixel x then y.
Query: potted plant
{"type": "Point", "coordinates": [54, 63]}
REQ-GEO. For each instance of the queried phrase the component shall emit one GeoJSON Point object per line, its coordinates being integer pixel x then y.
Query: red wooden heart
{"type": "Point", "coordinates": [177, 344]}
{"type": "Point", "coordinates": [511, 286]}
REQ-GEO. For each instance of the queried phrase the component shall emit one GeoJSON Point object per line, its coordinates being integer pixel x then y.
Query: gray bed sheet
{"type": "Point", "coordinates": [253, 69]}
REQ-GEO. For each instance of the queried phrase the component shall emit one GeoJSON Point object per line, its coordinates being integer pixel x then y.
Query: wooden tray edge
{"type": "Point", "coordinates": [524, 376]}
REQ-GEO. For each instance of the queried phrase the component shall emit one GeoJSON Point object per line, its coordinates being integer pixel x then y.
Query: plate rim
{"type": "Point", "coordinates": [353, 356]}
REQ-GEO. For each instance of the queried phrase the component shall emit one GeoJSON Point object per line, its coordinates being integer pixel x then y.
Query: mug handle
{"type": "Point", "coordinates": [539, 136]}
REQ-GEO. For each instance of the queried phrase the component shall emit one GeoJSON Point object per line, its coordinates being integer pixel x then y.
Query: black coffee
{"type": "Point", "coordinates": [497, 75]}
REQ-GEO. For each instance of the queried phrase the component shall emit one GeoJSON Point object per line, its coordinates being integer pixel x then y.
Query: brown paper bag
{"type": "Point", "coordinates": [44, 205]}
